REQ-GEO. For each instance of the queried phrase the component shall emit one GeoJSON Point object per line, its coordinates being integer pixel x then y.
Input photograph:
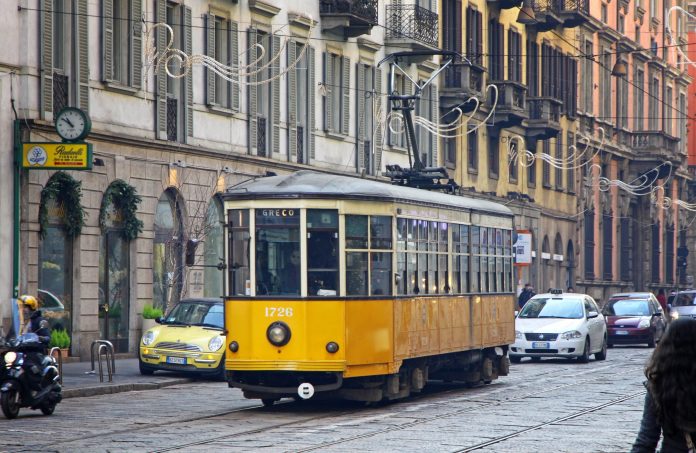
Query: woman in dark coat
{"type": "Point", "coordinates": [670, 403]}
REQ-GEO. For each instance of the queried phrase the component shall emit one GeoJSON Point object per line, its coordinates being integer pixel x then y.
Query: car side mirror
{"type": "Point", "coordinates": [592, 314]}
{"type": "Point", "coordinates": [516, 313]}
{"type": "Point", "coordinates": [159, 320]}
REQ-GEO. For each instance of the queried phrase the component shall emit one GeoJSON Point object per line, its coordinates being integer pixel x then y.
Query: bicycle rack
{"type": "Point", "coordinates": [107, 348]}
{"type": "Point", "coordinates": [60, 362]}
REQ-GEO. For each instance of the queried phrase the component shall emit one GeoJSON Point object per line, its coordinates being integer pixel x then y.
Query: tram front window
{"type": "Point", "coordinates": [278, 252]}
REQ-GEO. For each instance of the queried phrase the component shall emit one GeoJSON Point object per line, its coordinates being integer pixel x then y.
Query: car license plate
{"type": "Point", "coordinates": [622, 332]}
{"type": "Point", "coordinates": [540, 345]}
{"type": "Point", "coordinates": [177, 360]}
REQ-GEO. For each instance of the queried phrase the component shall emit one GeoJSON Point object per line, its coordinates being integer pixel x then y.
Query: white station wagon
{"type": "Point", "coordinates": [560, 325]}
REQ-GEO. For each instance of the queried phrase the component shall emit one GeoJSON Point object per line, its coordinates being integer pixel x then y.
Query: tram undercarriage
{"type": "Point", "coordinates": [470, 367]}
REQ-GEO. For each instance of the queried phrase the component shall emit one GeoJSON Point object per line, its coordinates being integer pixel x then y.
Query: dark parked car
{"type": "Point", "coordinates": [634, 318]}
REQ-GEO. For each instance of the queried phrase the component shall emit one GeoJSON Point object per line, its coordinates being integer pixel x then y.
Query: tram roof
{"type": "Point", "coordinates": [311, 184]}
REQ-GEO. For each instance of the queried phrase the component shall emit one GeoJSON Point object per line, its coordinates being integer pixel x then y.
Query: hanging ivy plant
{"type": "Point", "coordinates": [125, 199]}
{"type": "Point", "coordinates": [66, 191]}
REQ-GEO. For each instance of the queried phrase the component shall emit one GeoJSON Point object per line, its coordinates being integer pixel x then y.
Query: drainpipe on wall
{"type": "Point", "coordinates": [16, 213]}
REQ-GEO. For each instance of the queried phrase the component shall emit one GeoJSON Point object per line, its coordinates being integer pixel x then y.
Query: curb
{"type": "Point", "coordinates": [118, 388]}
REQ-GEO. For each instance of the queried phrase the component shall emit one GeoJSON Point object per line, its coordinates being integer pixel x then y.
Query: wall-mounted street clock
{"type": "Point", "coordinates": [73, 124]}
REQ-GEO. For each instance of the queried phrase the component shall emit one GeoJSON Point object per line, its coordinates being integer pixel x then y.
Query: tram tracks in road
{"type": "Point", "coordinates": [482, 397]}
{"type": "Point", "coordinates": [479, 401]}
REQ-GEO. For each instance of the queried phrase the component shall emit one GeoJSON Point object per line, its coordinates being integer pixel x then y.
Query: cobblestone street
{"type": "Point", "coordinates": [552, 405]}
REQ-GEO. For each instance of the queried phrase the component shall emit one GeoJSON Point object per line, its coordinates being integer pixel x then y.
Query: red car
{"type": "Point", "coordinates": [634, 318]}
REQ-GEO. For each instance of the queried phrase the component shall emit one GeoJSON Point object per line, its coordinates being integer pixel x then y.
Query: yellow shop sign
{"type": "Point", "coordinates": [50, 156]}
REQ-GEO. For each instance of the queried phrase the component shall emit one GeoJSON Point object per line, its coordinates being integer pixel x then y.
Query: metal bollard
{"type": "Point", "coordinates": [60, 362]}
{"type": "Point", "coordinates": [104, 348]}
{"type": "Point", "coordinates": [110, 350]}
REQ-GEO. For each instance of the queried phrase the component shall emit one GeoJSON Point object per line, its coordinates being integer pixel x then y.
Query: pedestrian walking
{"type": "Point", "coordinates": [662, 299]}
{"type": "Point", "coordinates": [670, 403]}
{"type": "Point", "coordinates": [526, 294]}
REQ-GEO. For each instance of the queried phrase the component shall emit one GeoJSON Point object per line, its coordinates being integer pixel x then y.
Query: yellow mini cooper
{"type": "Point", "coordinates": [190, 338]}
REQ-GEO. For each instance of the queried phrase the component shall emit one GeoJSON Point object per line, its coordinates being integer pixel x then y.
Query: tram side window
{"type": "Point", "coordinates": [484, 261]}
{"type": "Point", "coordinates": [239, 252]}
{"type": "Point", "coordinates": [507, 253]}
{"type": "Point", "coordinates": [464, 238]}
{"type": "Point", "coordinates": [356, 262]}
{"type": "Point", "coordinates": [322, 252]}
{"type": "Point", "coordinates": [442, 270]}
{"type": "Point", "coordinates": [475, 258]}
{"type": "Point", "coordinates": [401, 243]}
{"type": "Point", "coordinates": [368, 256]}
{"type": "Point", "coordinates": [380, 262]}
{"type": "Point", "coordinates": [278, 252]}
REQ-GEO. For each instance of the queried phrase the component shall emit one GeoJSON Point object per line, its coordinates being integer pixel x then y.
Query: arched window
{"type": "Point", "coordinates": [559, 280]}
{"type": "Point", "coordinates": [167, 252]}
{"type": "Point", "coordinates": [213, 253]}
{"type": "Point", "coordinates": [545, 265]}
{"type": "Point", "coordinates": [55, 269]}
{"type": "Point", "coordinates": [570, 259]}
{"type": "Point", "coordinates": [114, 278]}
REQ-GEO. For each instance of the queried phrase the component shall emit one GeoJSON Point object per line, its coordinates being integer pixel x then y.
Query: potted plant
{"type": "Point", "coordinates": [150, 314]}
{"type": "Point", "coordinates": [60, 339]}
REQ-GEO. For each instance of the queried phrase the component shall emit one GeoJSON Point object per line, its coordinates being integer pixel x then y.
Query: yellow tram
{"type": "Point", "coordinates": [363, 290]}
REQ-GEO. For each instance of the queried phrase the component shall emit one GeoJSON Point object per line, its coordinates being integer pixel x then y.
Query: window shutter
{"type": "Point", "coordinates": [328, 99]}
{"type": "Point", "coordinates": [345, 90]}
{"type": "Point", "coordinates": [251, 41]}
{"type": "Point", "coordinates": [312, 91]}
{"type": "Point", "coordinates": [234, 62]}
{"type": "Point", "coordinates": [46, 37]}
{"type": "Point", "coordinates": [378, 102]}
{"type": "Point", "coordinates": [479, 37]}
{"type": "Point", "coordinates": [275, 94]}
{"type": "Point", "coordinates": [360, 117]}
{"type": "Point", "coordinates": [188, 48]}
{"type": "Point", "coordinates": [435, 118]}
{"type": "Point", "coordinates": [136, 36]}
{"type": "Point", "coordinates": [82, 75]}
{"type": "Point", "coordinates": [161, 76]}
{"type": "Point", "coordinates": [210, 52]}
{"type": "Point", "coordinates": [458, 26]}
{"type": "Point", "coordinates": [107, 39]}
{"type": "Point", "coordinates": [292, 100]}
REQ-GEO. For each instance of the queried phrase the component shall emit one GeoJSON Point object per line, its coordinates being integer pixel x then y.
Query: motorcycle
{"type": "Point", "coordinates": [29, 379]}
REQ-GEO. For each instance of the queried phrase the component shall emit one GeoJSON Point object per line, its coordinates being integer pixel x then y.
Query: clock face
{"type": "Point", "coordinates": [72, 124]}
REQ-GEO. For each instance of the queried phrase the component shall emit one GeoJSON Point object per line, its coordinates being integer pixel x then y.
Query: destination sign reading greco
{"type": "Point", "coordinates": [282, 216]}
{"type": "Point", "coordinates": [50, 156]}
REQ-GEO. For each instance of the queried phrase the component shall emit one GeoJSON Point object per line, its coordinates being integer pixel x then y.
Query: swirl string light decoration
{"type": "Point", "coordinates": [674, 42]}
{"type": "Point", "coordinates": [155, 58]}
{"type": "Point", "coordinates": [576, 159]}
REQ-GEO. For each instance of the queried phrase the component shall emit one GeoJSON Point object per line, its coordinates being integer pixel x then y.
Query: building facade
{"type": "Point", "coordinates": [300, 87]}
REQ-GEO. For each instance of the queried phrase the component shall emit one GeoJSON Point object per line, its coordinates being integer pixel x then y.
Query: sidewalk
{"type": "Point", "coordinates": [78, 382]}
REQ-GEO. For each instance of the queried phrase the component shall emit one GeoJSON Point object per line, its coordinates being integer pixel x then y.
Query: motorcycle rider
{"type": "Point", "coordinates": [35, 322]}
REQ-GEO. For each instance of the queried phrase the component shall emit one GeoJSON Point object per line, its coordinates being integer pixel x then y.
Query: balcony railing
{"type": "Point", "coordinates": [172, 119]}
{"type": "Point", "coordinates": [544, 117]}
{"type": "Point", "coordinates": [574, 12]}
{"type": "Point", "coordinates": [462, 81]}
{"type": "Point", "coordinates": [547, 14]}
{"type": "Point", "coordinates": [350, 17]}
{"type": "Point", "coordinates": [511, 108]}
{"type": "Point", "coordinates": [60, 93]}
{"type": "Point", "coordinates": [544, 109]}
{"type": "Point", "coordinates": [412, 22]}
{"type": "Point", "coordinates": [655, 141]}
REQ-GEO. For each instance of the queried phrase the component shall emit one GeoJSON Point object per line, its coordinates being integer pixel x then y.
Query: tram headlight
{"type": "Point", "coordinates": [215, 343]}
{"type": "Point", "coordinates": [148, 338]}
{"type": "Point", "coordinates": [278, 333]}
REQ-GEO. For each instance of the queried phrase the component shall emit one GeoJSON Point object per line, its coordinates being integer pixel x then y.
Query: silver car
{"type": "Point", "coordinates": [682, 303]}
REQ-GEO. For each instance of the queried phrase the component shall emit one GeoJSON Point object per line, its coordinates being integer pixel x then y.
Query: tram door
{"type": "Point", "coordinates": [322, 252]}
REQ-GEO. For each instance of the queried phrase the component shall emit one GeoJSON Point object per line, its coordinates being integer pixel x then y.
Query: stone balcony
{"type": "Point", "coordinates": [544, 118]}
{"type": "Point", "coordinates": [574, 12]}
{"type": "Point", "coordinates": [462, 82]}
{"type": "Point", "coordinates": [349, 18]}
{"type": "Point", "coordinates": [511, 108]}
